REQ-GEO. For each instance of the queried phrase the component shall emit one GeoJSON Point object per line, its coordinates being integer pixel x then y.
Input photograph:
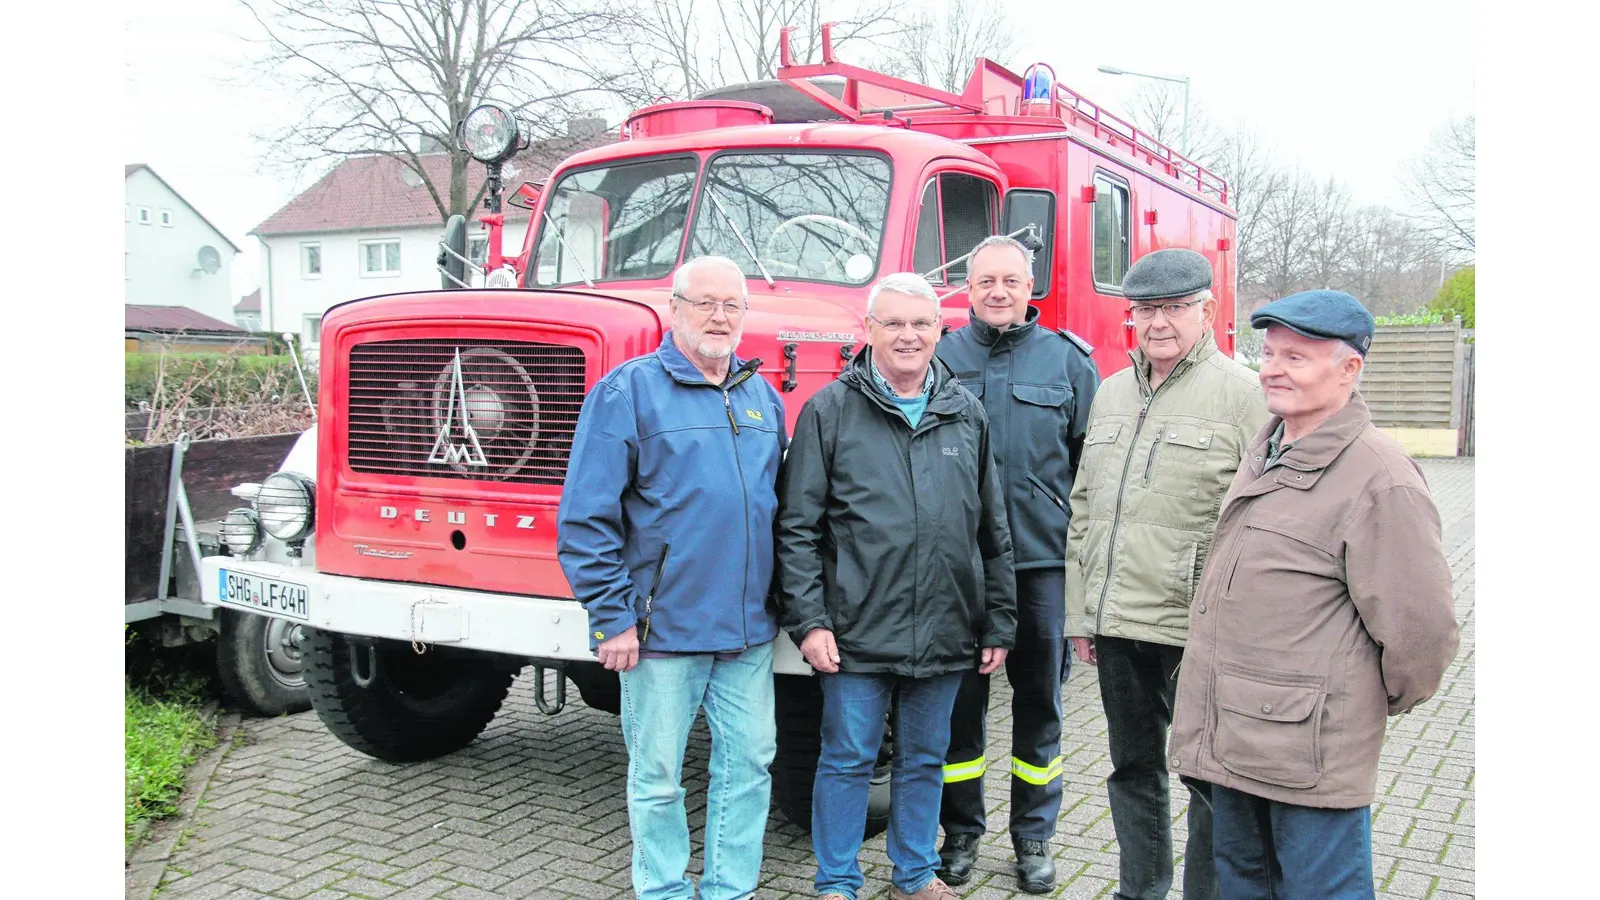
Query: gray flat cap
{"type": "Point", "coordinates": [1165, 274]}
{"type": "Point", "coordinates": [1326, 315]}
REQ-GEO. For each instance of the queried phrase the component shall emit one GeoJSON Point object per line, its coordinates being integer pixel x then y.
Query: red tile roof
{"type": "Point", "coordinates": [362, 193]}
{"type": "Point", "coordinates": [249, 303]}
{"type": "Point", "coordinates": [172, 318]}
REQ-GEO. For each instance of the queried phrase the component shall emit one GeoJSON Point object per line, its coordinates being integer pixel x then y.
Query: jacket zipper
{"type": "Point", "coordinates": [1122, 490]}
{"type": "Point", "coordinates": [727, 405]}
{"type": "Point", "coordinates": [1049, 494]}
{"type": "Point", "coordinates": [1150, 464]}
{"type": "Point", "coordinates": [650, 598]}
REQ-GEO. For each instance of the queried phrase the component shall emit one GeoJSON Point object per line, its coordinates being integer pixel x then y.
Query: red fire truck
{"type": "Point", "coordinates": [413, 531]}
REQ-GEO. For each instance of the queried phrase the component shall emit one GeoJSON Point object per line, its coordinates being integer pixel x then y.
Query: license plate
{"type": "Point", "coordinates": [277, 598]}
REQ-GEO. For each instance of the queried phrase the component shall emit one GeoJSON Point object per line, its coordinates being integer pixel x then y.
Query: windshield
{"type": "Point", "coordinates": [813, 216]}
{"type": "Point", "coordinates": [619, 222]}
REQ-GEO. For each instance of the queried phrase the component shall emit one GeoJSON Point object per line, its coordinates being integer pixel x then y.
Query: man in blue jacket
{"type": "Point", "coordinates": [665, 534]}
{"type": "Point", "coordinates": [1036, 384]}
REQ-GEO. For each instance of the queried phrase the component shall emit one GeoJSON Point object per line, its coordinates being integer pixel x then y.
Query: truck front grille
{"type": "Point", "coordinates": [477, 410]}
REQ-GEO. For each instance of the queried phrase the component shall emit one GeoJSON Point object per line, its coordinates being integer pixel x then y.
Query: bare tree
{"type": "Point", "coordinates": [1254, 179]}
{"type": "Point", "coordinates": [393, 77]}
{"type": "Point", "coordinates": [1330, 235]}
{"type": "Point", "coordinates": [940, 43]}
{"type": "Point", "coordinates": [1157, 108]}
{"type": "Point", "coordinates": [1442, 186]}
{"type": "Point", "coordinates": [679, 48]}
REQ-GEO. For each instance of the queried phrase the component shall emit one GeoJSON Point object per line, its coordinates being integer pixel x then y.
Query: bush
{"type": "Point", "coordinates": [1456, 297]}
{"type": "Point", "coordinates": [1420, 317]}
{"type": "Point", "coordinates": [217, 395]}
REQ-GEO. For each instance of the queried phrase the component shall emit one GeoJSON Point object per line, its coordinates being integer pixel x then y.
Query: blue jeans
{"type": "Point", "coordinates": [1266, 850]}
{"type": "Point", "coordinates": [659, 701]}
{"type": "Point", "coordinates": [854, 708]}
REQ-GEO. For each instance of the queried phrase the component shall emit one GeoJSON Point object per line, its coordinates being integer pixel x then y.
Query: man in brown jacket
{"type": "Point", "coordinates": [1326, 606]}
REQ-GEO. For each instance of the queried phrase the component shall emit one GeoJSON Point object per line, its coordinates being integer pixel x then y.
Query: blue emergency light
{"type": "Point", "coordinates": [1035, 84]}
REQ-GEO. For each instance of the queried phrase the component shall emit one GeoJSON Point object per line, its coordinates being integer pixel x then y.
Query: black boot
{"type": "Point", "coordinates": [957, 857]}
{"type": "Point", "coordinates": [1036, 871]}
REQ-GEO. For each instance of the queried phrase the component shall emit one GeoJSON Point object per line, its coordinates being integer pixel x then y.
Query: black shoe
{"type": "Point", "coordinates": [957, 857]}
{"type": "Point", "coordinates": [1036, 871]}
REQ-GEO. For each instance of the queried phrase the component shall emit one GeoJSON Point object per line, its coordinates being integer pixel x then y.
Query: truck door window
{"type": "Point", "coordinates": [1037, 208]}
{"type": "Point", "coordinates": [811, 216]}
{"type": "Point", "coordinates": [958, 211]}
{"type": "Point", "coordinates": [1110, 233]}
{"type": "Point", "coordinates": [618, 222]}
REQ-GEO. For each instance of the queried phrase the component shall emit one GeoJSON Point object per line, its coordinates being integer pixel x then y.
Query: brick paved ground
{"type": "Point", "coordinates": [534, 808]}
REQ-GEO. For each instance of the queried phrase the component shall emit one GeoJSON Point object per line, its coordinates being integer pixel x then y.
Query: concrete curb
{"type": "Point", "coordinates": [148, 863]}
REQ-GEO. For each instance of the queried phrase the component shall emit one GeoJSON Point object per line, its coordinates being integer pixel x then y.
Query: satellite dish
{"type": "Point", "coordinates": [410, 176]}
{"type": "Point", "coordinates": [210, 260]}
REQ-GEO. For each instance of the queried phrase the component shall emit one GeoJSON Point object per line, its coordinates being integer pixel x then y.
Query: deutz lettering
{"type": "Point", "coordinates": [454, 517]}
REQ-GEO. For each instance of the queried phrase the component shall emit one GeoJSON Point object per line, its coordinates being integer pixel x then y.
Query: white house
{"type": "Point", "coordinates": [369, 227]}
{"type": "Point", "coordinates": [172, 255]}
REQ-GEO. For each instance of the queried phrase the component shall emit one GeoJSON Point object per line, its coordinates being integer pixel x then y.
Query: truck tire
{"type": "Point", "coordinates": [409, 707]}
{"type": "Point", "coordinates": [261, 663]}
{"type": "Point", "coordinates": [599, 687]}
{"type": "Point", "coordinates": [794, 769]}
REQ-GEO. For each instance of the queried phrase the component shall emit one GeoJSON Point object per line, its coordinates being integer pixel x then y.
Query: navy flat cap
{"type": "Point", "coordinates": [1326, 315]}
{"type": "Point", "coordinates": [1166, 274]}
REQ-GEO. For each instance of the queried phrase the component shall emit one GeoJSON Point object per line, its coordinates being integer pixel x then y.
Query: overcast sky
{"type": "Point", "coordinates": [1349, 90]}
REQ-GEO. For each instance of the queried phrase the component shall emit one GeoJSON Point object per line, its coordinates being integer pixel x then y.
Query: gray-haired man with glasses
{"type": "Point", "coordinates": [895, 578]}
{"type": "Point", "coordinates": [1166, 436]}
{"type": "Point", "coordinates": [665, 534]}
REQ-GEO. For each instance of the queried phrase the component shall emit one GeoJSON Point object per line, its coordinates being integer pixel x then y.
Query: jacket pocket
{"type": "Point", "coordinates": [1269, 725]}
{"type": "Point", "coordinates": [1178, 460]}
{"type": "Point", "coordinates": [1048, 494]}
{"type": "Point", "coordinates": [1099, 443]}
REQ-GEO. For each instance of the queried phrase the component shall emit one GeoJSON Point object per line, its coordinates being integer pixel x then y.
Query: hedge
{"type": "Point", "coordinates": [210, 379]}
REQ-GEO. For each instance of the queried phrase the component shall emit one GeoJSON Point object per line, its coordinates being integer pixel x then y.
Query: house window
{"type": "Point", "coordinates": [1110, 233]}
{"type": "Point", "coordinates": [312, 331]}
{"type": "Point", "coordinates": [478, 249]}
{"type": "Point", "coordinates": [380, 257]}
{"type": "Point", "coordinates": [144, 215]}
{"type": "Point", "coordinates": [311, 260]}
{"type": "Point", "coordinates": [166, 218]}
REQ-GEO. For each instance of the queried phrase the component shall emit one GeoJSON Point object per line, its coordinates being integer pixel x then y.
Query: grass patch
{"type": "Point", "coordinates": [165, 730]}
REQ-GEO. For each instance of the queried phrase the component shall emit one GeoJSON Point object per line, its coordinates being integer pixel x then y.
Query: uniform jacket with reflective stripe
{"type": "Point", "coordinates": [894, 538]}
{"type": "Point", "coordinates": [672, 486]}
{"type": "Point", "coordinates": [1327, 606]}
{"type": "Point", "coordinates": [1155, 468]}
{"type": "Point", "coordinates": [1036, 385]}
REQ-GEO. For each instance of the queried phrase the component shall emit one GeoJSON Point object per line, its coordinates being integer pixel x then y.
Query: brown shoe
{"type": "Point", "coordinates": [933, 890]}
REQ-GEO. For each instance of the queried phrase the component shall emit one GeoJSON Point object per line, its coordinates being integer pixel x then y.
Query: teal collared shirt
{"type": "Point", "coordinates": [911, 407]}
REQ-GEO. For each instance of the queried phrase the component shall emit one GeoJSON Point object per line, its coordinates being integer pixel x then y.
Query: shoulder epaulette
{"type": "Point", "coordinates": [1085, 346]}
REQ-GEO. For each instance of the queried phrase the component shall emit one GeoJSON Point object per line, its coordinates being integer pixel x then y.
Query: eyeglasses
{"type": "Point", "coordinates": [1173, 310]}
{"type": "Point", "coordinates": [898, 325]}
{"type": "Point", "coordinates": [733, 308]}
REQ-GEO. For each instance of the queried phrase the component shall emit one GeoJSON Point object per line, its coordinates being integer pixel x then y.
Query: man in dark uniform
{"type": "Point", "coordinates": [1036, 384]}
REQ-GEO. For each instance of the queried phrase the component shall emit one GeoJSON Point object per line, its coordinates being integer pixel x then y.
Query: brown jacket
{"type": "Point", "coordinates": [1326, 605]}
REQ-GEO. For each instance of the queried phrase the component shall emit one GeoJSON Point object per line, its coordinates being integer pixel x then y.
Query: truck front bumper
{"type": "Point", "coordinates": [521, 625]}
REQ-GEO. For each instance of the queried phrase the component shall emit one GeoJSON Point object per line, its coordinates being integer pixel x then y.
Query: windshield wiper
{"type": "Point", "coordinates": [711, 192]}
{"type": "Point", "coordinates": [568, 247]}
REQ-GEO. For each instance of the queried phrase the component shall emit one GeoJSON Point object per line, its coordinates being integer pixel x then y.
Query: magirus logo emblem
{"type": "Point", "coordinates": [457, 441]}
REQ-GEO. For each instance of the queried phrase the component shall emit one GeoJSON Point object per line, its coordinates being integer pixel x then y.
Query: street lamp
{"type": "Point", "coordinates": [1113, 70]}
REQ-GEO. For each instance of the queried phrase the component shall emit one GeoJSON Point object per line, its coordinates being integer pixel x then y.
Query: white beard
{"type": "Point", "coordinates": [715, 352]}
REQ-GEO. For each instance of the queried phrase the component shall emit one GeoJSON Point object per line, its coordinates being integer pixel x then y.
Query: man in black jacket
{"type": "Point", "coordinates": [895, 579]}
{"type": "Point", "coordinates": [1036, 385]}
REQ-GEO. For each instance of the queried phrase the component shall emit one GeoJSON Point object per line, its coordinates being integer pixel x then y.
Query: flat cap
{"type": "Point", "coordinates": [1326, 315]}
{"type": "Point", "coordinates": [1165, 274]}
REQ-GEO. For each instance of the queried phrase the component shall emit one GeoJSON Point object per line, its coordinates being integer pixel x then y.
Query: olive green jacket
{"type": "Point", "coordinates": [1155, 468]}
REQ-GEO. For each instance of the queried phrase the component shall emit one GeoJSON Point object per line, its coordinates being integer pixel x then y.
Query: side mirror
{"type": "Point", "coordinates": [452, 259]}
{"type": "Point", "coordinates": [527, 196]}
{"type": "Point", "coordinates": [1038, 209]}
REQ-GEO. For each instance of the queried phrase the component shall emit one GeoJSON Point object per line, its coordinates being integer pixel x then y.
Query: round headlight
{"type": "Point", "coordinates": [286, 506]}
{"type": "Point", "coordinates": [241, 532]}
{"type": "Point", "coordinates": [489, 133]}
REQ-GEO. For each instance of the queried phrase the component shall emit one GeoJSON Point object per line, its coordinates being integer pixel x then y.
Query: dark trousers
{"type": "Point", "coordinates": [1036, 669]}
{"type": "Point", "coordinates": [1138, 680]}
{"type": "Point", "coordinates": [1266, 850]}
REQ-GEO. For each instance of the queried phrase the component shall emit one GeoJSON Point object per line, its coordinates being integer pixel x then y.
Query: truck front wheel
{"type": "Point", "coordinates": [388, 701]}
{"type": "Point", "coordinates": [794, 769]}
{"type": "Point", "coordinates": [261, 662]}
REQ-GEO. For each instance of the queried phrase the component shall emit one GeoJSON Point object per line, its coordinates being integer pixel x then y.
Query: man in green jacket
{"type": "Point", "coordinates": [1165, 438]}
